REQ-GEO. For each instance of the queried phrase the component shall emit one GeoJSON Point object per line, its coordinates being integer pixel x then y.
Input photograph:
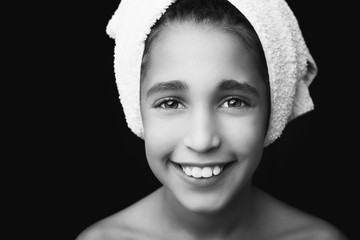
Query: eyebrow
{"type": "Point", "coordinates": [167, 86]}
{"type": "Point", "coordinates": [230, 84]}
{"type": "Point", "coordinates": [224, 85]}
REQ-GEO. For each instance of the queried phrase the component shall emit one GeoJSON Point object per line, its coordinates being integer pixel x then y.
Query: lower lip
{"type": "Point", "coordinates": [202, 182]}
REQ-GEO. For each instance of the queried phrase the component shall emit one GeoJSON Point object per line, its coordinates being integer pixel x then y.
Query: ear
{"type": "Point", "coordinates": [302, 102]}
{"type": "Point", "coordinates": [311, 71]}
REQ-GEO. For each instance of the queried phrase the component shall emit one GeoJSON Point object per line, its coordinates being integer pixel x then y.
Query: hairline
{"type": "Point", "coordinates": [242, 35]}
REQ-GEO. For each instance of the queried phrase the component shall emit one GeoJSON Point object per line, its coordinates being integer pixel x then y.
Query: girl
{"type": "Point", "coordinates": [208, 84]}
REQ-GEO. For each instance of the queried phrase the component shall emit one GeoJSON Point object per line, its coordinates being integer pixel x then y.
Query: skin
{"type": "Point", "coordinates": [203, 127]}
{"type": "Point", "coordinates": [198, 120]}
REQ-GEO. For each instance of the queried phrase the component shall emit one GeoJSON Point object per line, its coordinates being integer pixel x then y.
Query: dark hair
{"type": "Point", "coordinates": [218, 13]}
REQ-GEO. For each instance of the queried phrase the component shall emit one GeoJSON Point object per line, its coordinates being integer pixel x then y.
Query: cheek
{"type": "Point", "coordinates": [245, 135]}
{"type": "Point", "coordinates": [161, 136]}
{"type": "Point", "coordinates": [245, 139]}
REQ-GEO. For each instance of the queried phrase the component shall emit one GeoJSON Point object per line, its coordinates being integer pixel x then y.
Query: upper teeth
{"type": "Point", "coordinates": [198, 172]}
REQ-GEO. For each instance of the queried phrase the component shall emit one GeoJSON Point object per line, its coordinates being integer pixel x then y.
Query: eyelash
{"type": "Point", "coordinates": [244, 102]}
{"type": "Point", "coordinates": [160, 104]}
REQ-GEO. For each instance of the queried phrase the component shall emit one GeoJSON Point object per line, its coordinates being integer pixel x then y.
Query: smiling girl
{"type": "Point", "coordinates": [209, 91]}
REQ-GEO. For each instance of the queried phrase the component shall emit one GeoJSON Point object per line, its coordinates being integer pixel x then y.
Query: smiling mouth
{"type": "Point", "coordinates": [203, 172]}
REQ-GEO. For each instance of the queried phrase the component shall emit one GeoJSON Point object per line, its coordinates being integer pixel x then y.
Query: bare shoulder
{"type": "Point", "coordinates": [131, 223]}
{"type": "Point", "coordinates": [328, 232]}
{"type": "Point", "coordinates": [284, 222]}
{"type": "Point", "coordinates": [107, 229]}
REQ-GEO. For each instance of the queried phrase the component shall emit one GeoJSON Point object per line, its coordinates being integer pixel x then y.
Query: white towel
{"type": "Point", "coordinates": [290, 65]}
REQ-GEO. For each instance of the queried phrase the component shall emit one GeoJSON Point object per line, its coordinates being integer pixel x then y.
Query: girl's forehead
{"type": "Point", "coordinates": [197, 55]}
{"type": "Point", "coordinates": [190, 40]}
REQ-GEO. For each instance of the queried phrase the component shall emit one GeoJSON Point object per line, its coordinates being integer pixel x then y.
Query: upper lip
{"type": "Point", "coordinates": [195, 164]}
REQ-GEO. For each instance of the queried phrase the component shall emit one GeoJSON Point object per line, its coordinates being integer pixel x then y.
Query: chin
{"type": "Point", "coordinates": [203, 203]}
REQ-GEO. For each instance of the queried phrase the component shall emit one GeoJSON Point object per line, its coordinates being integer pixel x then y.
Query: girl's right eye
{"type": "Point", "coordinates": [168, 104]}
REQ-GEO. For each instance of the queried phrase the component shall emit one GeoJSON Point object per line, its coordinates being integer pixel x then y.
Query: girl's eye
{"type": "Point", "coordinates": [169, 103]}
{"type": "Point", "coordinates": [235, 102]}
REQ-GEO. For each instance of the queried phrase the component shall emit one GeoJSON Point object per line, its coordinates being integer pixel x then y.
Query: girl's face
{"type": "Point", "coordinates": [204, 109]}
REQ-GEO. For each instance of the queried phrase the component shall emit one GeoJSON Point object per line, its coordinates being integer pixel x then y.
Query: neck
{"type": "Point", "coordinates": [233, 219]}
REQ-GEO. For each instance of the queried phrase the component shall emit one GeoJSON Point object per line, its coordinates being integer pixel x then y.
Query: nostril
{"type": "Point", "coordinates": [216, 141]}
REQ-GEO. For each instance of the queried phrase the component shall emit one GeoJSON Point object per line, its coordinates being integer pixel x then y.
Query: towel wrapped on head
{"type": "Point", "coordinates": [291, 68]}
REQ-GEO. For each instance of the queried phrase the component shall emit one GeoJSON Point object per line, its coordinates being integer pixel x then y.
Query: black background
{"type": "Point", "coordinates": [73, 161]}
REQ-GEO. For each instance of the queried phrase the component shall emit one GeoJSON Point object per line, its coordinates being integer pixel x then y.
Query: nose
{"type": "Point", "coordinates": [202, 135]}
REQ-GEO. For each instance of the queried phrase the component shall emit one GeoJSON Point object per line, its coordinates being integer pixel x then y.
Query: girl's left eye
{"type": "Point", "coordinates": [169, 104]}
{"type": "Point", "coordinates": [235, 102]}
